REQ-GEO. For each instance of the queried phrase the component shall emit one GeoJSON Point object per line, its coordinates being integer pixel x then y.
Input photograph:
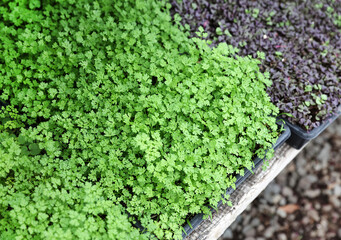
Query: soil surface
{"type": "Point", "coordinates": [304, 201]}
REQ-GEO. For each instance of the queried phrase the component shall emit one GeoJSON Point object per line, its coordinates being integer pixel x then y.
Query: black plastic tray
{"type": "Point", "coordinates": [197, 219]}
{"type": "Point", "coordinates": [299, 136]}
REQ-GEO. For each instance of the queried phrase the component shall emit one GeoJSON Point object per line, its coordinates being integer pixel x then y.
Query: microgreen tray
{"type": "Point", "coordinates": [198, 219]}
{"type": "Point", "coordinates": [299, 137]}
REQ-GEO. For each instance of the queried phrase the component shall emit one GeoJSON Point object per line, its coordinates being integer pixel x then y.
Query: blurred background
{"type": "Point", "coordinates": [303, 202]}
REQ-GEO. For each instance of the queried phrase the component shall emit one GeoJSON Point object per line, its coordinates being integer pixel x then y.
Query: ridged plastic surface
{"type": "Point", "coordinates": [299, 136]}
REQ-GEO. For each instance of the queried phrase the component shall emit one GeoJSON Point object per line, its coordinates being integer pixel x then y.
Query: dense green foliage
{"type": "Point", "coordinates": [111, 109]}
